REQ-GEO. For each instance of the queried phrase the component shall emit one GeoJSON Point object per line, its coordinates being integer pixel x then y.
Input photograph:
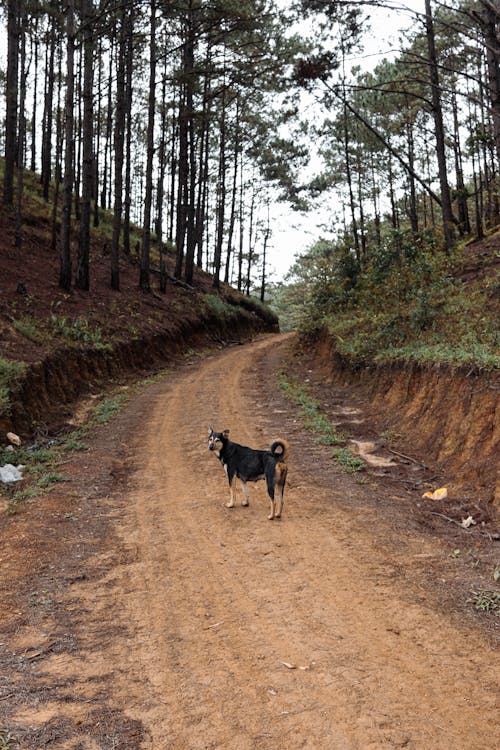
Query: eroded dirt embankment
{"type": "Point", "coordinates": [43, 399]}
{"type": "Point", "coordinates": [449, 415]}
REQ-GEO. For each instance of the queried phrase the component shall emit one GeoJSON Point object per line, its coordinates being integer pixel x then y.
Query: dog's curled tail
{"type": "Point", "coordinates": [280, 449]}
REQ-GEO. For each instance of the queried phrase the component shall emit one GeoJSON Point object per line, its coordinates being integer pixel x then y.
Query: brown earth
{"type": "Point", "coordinates": [139, 612]}
{"type": "Point", "coordinates": [56, 333]}
{"type": "Point", "coordinates": [446, 416]}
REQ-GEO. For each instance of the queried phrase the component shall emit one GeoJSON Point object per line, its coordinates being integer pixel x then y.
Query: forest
{"type": "Point", "coordinates": [181, 124]}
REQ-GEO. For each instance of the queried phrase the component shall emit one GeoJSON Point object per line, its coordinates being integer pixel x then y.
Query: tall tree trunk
{"type": "Point", "coordinates": [234, 190]}
{"type": "Point", "coordinates": [65, 268]}
{"type": "Point", "coordinates": [77, 135]}
{"type": "Point", "coordinates": [348, 173]}
{"type": "Point", "coordinates": [109, 128]}
{"type": "Point", "coordinates": [412, 209]}
{"type": "Point", "coordinates": [160, 190]}
{"type": "Point", "coordinates": [191, 186]}
{"type": "Point", "coordinates": [448, 220]}
{"type": "Point", "coordinates": [250, 241]}
{"type": "Point", "coordinates": [490, 16]}
{"type": "Point", "coordinates": [82, 268]}
{"type": "Point", "coordinates": [11, 100]}
{"type": "Point", "coordinates": [241, 221]}
{"type": "Point", "coordinates": [221, 191]}
{"type": "Point", "coordinates": [59, 144]}
{"type": "Point", "coordinates": [173, 178]}
{"type": "Point", "coordinates": [128, 136]}
{"type": "Point", "coordinates": [180, 232]}
{"type": "Point", "coordinates": [97, 149]}
{"type": "Point", "coordinates": [463, 211]}
{"type": "Point", "coordinates": [47, 117]}
{"type": "Point", "coordinates": [119, 142]}
{"type": "Point", "coordinates": [267, 234]}
{"type": "Point", "coordinates": [144, 279]}
{"type": "Point", "coordinates": [35, 44]}
{"type": "Point", "coordinates": [22, 126]}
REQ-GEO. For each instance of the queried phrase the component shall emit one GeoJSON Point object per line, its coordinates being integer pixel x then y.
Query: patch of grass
{"type": "Point", "coordinates": [349, 461]}
{"type": "Point", "coordinates": [36, 456]}
{"type": "Point", "coordinates": [10, 371]}
{"type": "Point", "coordinates": [310, 412]}
{"type": "Point", "coordinates": [72, 444]}
{"type": "Point", "coordinates": [27, 327]}
{"type": "Point", "coordinates": [6, 740]}
{"type": "Point", "coordinates": [52, 477]}
{"type": "Point", "coordinates": [389, 436]}
{"type": "Point", "coordinates": [79, 330]}
{"type": "Point", "coordinates": [109, 408]}
{"type": "Point", "coordinates": [40, 472]}
{"type": "Point", "coordinates": [217, 306]}
{"type": "Point", "coordinates": [333, 438]}
{"type": "Point", "coordinates": [486, 601]}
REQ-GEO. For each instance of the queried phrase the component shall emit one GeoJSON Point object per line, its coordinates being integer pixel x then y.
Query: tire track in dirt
{"type": "Point", "coordinates": [232, 599]}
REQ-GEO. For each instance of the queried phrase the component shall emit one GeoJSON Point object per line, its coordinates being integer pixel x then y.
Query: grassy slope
{"type": "Point", "coordinates": [433, 309]}
{"type": "Point", "coordinates": [37, 318]}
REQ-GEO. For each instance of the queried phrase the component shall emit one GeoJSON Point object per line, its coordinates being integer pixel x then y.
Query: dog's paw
{"type": "Point", "coordinates": [229, 505]}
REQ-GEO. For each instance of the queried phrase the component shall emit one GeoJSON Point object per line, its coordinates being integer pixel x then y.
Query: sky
{"type": "Point", "coordinates": [293, 233]}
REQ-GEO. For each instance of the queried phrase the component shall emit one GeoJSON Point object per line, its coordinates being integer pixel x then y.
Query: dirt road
{"type": "Point", "coordinates": [202, 627]}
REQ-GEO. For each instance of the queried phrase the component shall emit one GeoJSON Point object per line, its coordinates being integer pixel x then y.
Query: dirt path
{"type": "Point", "coordinates": [203, 627]}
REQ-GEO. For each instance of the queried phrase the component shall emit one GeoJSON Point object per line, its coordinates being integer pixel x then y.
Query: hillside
{"type": "Point", "coordinates": [54, 345]}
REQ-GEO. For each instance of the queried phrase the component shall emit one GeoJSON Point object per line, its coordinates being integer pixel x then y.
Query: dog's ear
{"type": "Point", "coordinates": [226, 433]}
{"type": "Point", "coordinates": [210, 430]}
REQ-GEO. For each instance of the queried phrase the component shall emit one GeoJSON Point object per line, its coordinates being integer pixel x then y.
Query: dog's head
{"type": "Point", "coordinates": [216, 440]}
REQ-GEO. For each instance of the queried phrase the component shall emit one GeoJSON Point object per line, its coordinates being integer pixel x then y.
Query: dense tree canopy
{"type": "Point", "coordinates": [185, 119]}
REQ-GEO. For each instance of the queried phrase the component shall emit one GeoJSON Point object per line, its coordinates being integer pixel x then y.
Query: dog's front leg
{"type": "Point", "coordinates": [246, 498]}
{"type": "Point", "coordinates": [230, 479]}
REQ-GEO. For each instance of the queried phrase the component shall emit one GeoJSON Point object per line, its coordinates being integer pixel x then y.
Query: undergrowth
{"type": "Point", "coordinates": [406, 300]}
{"type": "Point", "coordinates": [10, 371]}
{"type": "Point", "coordinates": [318, 423]}
{"type": "Point", "coordinates": [43, 464]}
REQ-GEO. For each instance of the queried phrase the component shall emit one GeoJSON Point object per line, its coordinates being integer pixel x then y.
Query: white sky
{"type": "Point", "coordinates": [294, 233]}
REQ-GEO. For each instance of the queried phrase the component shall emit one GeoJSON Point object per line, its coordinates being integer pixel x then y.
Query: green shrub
{"type": "Point", "coordinates": [10, 371]}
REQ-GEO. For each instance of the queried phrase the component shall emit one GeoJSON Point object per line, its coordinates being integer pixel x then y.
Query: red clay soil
{"type": "Point", "coordinates": [140, 612]}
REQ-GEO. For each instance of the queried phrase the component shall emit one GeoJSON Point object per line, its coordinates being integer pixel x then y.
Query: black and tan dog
{"type": "Point", "coordinates": [250, 465]}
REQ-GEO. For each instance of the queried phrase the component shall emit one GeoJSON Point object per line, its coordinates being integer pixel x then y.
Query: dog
{"type": "Point", "coordinates": [250, 465]}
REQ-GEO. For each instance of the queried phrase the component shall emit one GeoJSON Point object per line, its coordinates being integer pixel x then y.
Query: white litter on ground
{"type": "Point", "coordinates": [11, 473]}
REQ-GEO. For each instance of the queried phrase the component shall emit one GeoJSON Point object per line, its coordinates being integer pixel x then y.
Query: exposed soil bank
{"type": "Point", "coordinates": [44, 397]}
{"type": "Point", "coordinates": [451, 416]}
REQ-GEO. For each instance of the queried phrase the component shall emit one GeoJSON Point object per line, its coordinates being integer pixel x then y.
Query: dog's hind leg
{"type": "Point", "coordinates": [281, 471]}
{"type": "Point", "coordinates": [246, 497]}
{"type": "Point", "coordinates": [270, 492]}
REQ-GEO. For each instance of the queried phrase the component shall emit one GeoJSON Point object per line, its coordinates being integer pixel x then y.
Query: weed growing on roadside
{"type": "Point", "coordinates": [78, 330]}
{"type": "Point", "coordinates": [109, 408]}
{"type": "Point", "coordinates": [6, 740]}
{"type": "Point", "coordinates": [486, 601]}
{"type": "Point", "coordinates": [27, 327]}
{"type": "Point", "coordinates": [310, 412]}
{"type": "Point", "coordinates": [348, 461]}
{"type": "Point", "coordinates": [10, 371]}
